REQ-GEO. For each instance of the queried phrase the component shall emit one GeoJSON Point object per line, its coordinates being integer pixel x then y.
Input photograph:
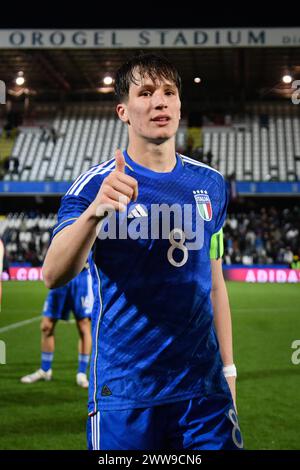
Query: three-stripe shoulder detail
{"type": "Point", "coordinates": [84, 178]}
{"type": "Point", "coordinates": [194, 162]}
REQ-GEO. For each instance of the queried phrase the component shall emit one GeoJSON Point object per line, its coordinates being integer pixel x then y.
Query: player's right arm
{"type": "Point", "coordinates": [71, 246]}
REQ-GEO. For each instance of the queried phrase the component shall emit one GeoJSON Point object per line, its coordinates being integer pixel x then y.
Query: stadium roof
{"type": "Point", "coordinates": [226, 73]}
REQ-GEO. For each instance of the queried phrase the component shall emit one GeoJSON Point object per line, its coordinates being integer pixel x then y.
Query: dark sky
{"type": "Point", "coordinates": [146, 14]}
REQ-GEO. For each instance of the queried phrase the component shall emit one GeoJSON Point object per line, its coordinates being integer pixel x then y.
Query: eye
{"type": "Point", "coordinates": [170, 92]}
{"type": "Point", "coordinates": [145, 93]}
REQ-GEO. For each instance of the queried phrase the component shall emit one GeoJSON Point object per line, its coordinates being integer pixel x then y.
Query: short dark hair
{"type": "Point", "coordinates": [153, 65]}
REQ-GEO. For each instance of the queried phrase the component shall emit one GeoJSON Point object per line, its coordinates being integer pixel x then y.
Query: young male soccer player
{"type": "Point", "coordinates": [77, 296]}
{"type": "Point", "coordinates": [157, 369]}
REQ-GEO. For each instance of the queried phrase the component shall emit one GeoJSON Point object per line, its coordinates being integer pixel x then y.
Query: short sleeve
{"type": "Point", "coordinates": [70, 210]}
{"type": "Point", "coordinates": [78, 198]}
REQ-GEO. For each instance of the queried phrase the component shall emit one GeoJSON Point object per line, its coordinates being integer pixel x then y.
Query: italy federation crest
{"type": "Point", "coordinates": [203, 204]}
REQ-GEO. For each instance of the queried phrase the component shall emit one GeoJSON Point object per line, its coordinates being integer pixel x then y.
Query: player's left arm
{"type": "Point", "coordinates": [221, 307]}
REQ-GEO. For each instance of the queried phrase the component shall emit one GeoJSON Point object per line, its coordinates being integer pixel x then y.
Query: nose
{"type": "Point", "coordinates": [159, 100]}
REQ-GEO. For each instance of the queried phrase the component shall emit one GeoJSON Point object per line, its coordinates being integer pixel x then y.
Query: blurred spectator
{"type": "Point", "coordinates": [27, 237]}
{"type": "Point", "coordinates": [11, 165]}
{"type": "Point", "coordinates": [48, 133]}
{"type": "Point", "coordinates": [209, 158]}
{"type": "Point", "coordinates": [288, 256]}
{"type": "Point", "coordinates": [44, 134]}
{"type": "Point", "coordinates": [233, 194]}
{"type": "Point", "coordinates": [8, 127]}
{"type": "Point", "coordinates": [13, 120]}
{"type": "Point", "coordinates": [54, 135]}
{"type": "Point", "coordinates": [271, 236]}
{"type": "Point", "coordinates": [228, 120]}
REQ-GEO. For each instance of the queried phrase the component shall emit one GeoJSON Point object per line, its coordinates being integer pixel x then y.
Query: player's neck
{"type": "Point", "coordinates": [160, 158]}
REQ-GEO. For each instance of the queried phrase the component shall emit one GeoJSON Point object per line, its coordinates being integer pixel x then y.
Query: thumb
{"type": "Point", "coordinates": [120, 161]}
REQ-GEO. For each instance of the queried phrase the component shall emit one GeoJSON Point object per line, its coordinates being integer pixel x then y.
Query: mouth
{"type": "Point", "coordinates": [161, 119]}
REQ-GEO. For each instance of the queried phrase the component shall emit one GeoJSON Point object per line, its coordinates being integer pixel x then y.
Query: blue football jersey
{"type": "Point", "coordinates": [152, 324]}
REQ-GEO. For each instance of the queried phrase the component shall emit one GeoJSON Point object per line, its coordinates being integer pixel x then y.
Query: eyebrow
{"type": "Point", "coordinates": [152, 85]}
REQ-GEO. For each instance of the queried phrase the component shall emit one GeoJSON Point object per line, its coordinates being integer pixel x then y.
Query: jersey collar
{"type": "Point", "coordinates": [142, 170]}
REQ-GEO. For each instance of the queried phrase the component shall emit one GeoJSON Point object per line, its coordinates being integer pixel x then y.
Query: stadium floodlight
{"type": "Point", "coordinates": [287, 78]}
{"type": "Point", "coordinates": [107, 80]}
{"type": "Point", "coordinates": [20, 80]}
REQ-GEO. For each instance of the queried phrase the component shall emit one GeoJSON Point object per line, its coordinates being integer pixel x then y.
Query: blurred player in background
{"type": "Point", "coordinates": [77, 296]}
{"type": "Point", "coordinates": [162, 340]}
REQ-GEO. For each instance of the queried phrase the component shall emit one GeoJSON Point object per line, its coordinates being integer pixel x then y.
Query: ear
{"type": "Point", "coordinates": [121, 110]}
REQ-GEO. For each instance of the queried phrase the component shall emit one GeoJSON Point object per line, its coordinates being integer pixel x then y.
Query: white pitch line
{"type": "Point", "coordinates": [12, 326]}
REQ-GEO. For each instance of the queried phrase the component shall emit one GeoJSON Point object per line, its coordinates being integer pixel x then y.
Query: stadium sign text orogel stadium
{"type": "Point", "coordinates": [137, 38]}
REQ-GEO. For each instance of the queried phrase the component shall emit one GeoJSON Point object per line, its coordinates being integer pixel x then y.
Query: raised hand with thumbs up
{"type": "Point", "coordinates": [117, 189]}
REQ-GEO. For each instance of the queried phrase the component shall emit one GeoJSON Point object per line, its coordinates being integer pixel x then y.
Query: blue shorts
{"type": "Point", "coordinates": [208, 423]}
{"type": "Point", "coordinates": [76, 296]}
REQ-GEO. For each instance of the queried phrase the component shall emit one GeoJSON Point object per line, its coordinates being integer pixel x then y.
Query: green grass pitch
{"type": "Point", "coordinates": [52, 415]}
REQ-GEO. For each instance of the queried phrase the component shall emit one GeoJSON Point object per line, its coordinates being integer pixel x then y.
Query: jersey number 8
{"type": "Point", "coordinates": [178, 233]}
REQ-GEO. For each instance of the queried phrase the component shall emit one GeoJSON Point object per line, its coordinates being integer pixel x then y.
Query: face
{"type": "Point", "coordinates": [152, 110]}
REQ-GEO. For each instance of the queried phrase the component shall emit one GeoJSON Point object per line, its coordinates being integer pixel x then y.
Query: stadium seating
{"type": "Point", "coordinates": [84, 136]}
{"type": "Point", "coordinates": [262, 145]}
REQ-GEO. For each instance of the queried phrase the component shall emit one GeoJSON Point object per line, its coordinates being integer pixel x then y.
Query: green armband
{"type": "Point", "coordinates": [216, 245]}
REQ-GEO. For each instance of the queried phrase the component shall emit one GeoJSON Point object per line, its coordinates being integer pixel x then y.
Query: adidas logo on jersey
{"type": "Point", "coordinates": [138, 211]}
